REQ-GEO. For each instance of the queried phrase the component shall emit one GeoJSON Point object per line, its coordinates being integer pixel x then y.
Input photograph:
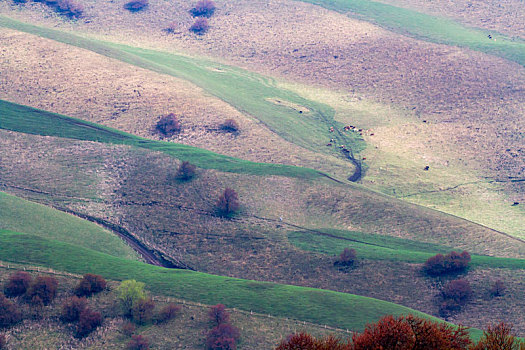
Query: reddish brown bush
{"type": "Point", "coordinates": [200, 26]}
{"type": "Point", "coordinates": [497, 289]}
{"type": "Point", "coordinates": [458, 290]}
{"type": "Point", "coordinates": [172, 28]}
{"type": "Point", "coordinates": [70, 8]}
{"type": "Point", "coordinates": [228, 202]}
{"type": "Point", "coordinates": [136, 5]}
{"type": "Point", "coordinates": [43, 288]}
{"type": "Point", "coordinates": [186, 171]}
{"type": "Point", "coordinates": [72, 308]}
{"type": "Point", "coordinates": [218, 314]}
{"type": "Point", "coordinates": [138, 342]}
{"type": "Point", "coordinates": [346, 258]}
{"type": "Point", "coordinates": [142, 311]}
{"type": "Point", "coordinates": [499, 337]}
{"type": "Point", "coordinates": [17, 284]}
{"type": "Point", "coordinates": [168, 125]}
{"type": "Point", "coordinates": [223, 337]}
{"type": "Point", "coordinates": [230, 125]}
{"type": "Point", "coordinates": [3, 342]}
{"type": "Point", "coordinates": [410, 333]}
{"type": "Point", "coordinates": [128, 329]}
{"type": "Point", "coordinates": [203, 8]}
{"type": "Point", "coordinates": [90, 284]}
{"type": "Point", "coordinates": [168, 312]}
{"type": "Point", "coordinates": [443, 264]}
{"type": "Point", "coordinates": [9, 312]}
{"type": "Point", "coordinates": [87, 322]}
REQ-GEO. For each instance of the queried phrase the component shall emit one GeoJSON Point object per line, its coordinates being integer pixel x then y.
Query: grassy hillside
{"type": "Point", "coordinates": [379, 247]}
{"type": "Point", "coordinates": [298, 120]}
{"type": "Point", "coordinates": [309, 304]}
{"type": "Point", "coordinates": [33, 121]}
{"type": "Point", "coordinates": [20, 215]}
{"type": "Point", "coordinates": [430, 28]}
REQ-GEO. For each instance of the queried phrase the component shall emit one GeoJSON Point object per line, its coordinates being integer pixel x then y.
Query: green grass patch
{"type": "Point", "coordinates": [17, 214]}
{"type": "Point", "coordinates": [380, 247]}
{"type": "Point", "coordinates": [430, 28]}
{"type": "Point", "coordinates": [336, 309]}
{"type": "Point", "coordinates": [249, 92]}
{"type": "Point", "coordinates": [34, 121]}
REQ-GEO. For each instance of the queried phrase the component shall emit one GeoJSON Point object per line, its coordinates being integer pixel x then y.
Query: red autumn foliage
{"type": "Point", "coordinates": [443, 264]}
{"type": "Point", "coordinates": [200, 26]}
{"type": "Point", "coordinates": [218, 314]}
{"type": "Point", "coordinates": [9, 312]}
{"type": "Point", "coordinates": [128, 329]}
{"type": "Point", "coordinates": [168, 312]}
{"type": "Point", "coordinates": [17, 284]}
{"type": "Point", "coordinates": [203, 8]}
{"type": "Point", "coordinates": [305, 341]}
{"type": "Point", "coordinates": [70, 8]}
{"type": "Point", "coordinates": [228, 202]}
{"type": "Point", "coordinates": [87, 322]}
{"type": "Point", "coordinates": [42, 289]}
{"type": "Point", "coordinates": [499, 337]}
{"type": "Point", "coordinates": [90, 284]}
{"type": "Point", "coordinates": [458, 290]}
{"type": "Point", "coordinates": [72, 308]}
{"type": "Point", "coordinates": [168, 125]}
{"type": "Point", "coordinates": [138, 342]}
{"type": "Point", "coordinates": [223, 337]}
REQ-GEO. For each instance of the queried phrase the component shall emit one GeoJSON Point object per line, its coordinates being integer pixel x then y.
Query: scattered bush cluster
{"type": "Point", "coordinates": [444, 264]}
{"type": "Point", "coordinates": [223, 336]}
{"type": "Point", "coordinates": [17, 284]}
{"type": "Point", "coordinates": [498, 288]}
{"type": "Point", "coordinates": [142, 311]}
{"type": "Point", "coordinates": [9, 312]}
{"type": "Point", "coordinates": [138, 342]}
{"type": "Point", "coordinates": [72, 308]}
{"type": "Point", "coordinates": [89, 285]}
{"type": "Point", "coordinates": [88, 321]}
{"type": "Point", "coordinates": [69, 8]}
{"type": "Point", "coordinates": [203, 9]}
{"type": "Point", "coordinates": [168, 312]}
{"type": "Point", "coordinates": [200, 26]}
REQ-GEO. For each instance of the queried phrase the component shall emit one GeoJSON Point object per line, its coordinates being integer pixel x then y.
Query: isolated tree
{"type": "Point", "coordinates": [218, 314]}
{"type": "Point", "coordinates": [17, 284]}
{"type": "Point", "coordinates": [186, 171]}
{"type": "Point", "coordinates": [204, 8]}
{"type": "Point", "coordinates": [88, 321]}
{"type": "Point", "coordinates": [90, 284]}
{"type": "Point", "coordinates": [72, 308]}
{"type": "Point", "coordinates": [200, 26]}
{"type": "Point", "coordinates": [9, 312]}
{"type": "Point", "coordinates": [169, 125]}
{"type": "Point", "coordinates": [228, 202]}
{"type": "Point", "coordinates": [498, 288]}
{"type": "Point", "coordinates": [129, 293]}
{"type": "Point", "coordinates": [138, 342]}
{"type": "Point", "coordinates": [346, 258]}
{"type": "Point", "coordinates": [499, 337]}
{"type": "Point", "coordinates": [223, 337]}
{"type": "Point", "coordinates": [43, 288]}
{"type": "Point", "coordinates": [142, 311]}
{"type": "Point", "coordinates": [230, 125]}
{"type": "Point", "coordinates": [459, 290]}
